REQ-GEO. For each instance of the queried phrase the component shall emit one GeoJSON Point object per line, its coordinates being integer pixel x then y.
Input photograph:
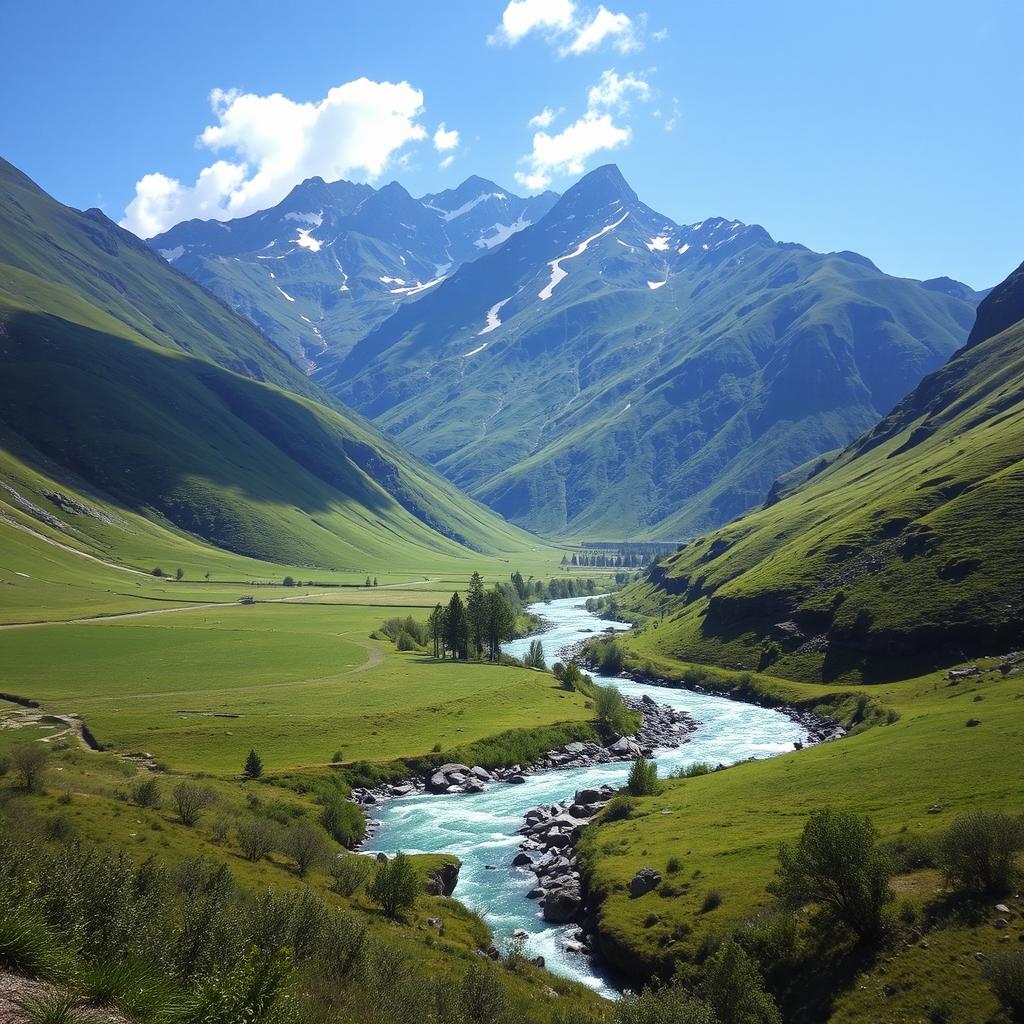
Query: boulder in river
{"type": "Point", "coordinates": [561, 906]}
{"type": "Point", "coordinates": [522, 860]}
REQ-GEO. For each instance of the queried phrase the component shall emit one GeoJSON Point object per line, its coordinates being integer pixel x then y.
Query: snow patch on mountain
{"type": "Point", "coordinates": [492, 321]}
{"type": "Point", "coordinates": [655, 285]}
{"type": "Point", "coordinates": [285, 294]}
{"type": "Point", "coordinates": [659, 244]}
{"type": "Point", "coordinates": [314, 220]}
{"type": "Point", "coordinates": [557, 273]}
{"type": "Point", "coordinates": [479, 348]}
{"type": "Point", "coordinates": [391, 280]}
{"type": "Point", "coordinates": [305, 241]}
{"type": "Point", "coordinates": [172, 254]}
{"type": "Point", "coordinates": [447, 215]}
{"type": "Point", "coordinates": [417, 287]}
{"type": "Point", "coordinates": [683, 248]}
{"type": "Point", "coordinates": [502, 233]}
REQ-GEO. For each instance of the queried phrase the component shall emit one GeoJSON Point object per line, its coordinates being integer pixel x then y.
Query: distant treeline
{"type": "Point", "coordinates": [631, 559]}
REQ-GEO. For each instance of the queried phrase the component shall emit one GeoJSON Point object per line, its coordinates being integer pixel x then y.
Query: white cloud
{"type": "Point", "coordinates": [612, 91]}
{"type": "Point", "coordinates": [544, 118]}
{"type": "Point", "coordinates": [604, 25]}
{"type": "Point", "coordinates": [356, 130]}
{"type": "Point", "coordinates": [596, 131]}
{"type": "Point", "coordinates": [660, 35]}
{"type": "Point", "coordinates": [521, 17]}
{"type": "Point", "coordinates": [563, 24]}
{"type": "Point", "coordinates": [446, 163]}
{"type": "Point", "coordinates": [445, 139]}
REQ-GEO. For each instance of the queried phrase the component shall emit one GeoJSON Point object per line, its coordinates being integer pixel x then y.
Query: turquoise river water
{"type": "Point", "coordinates": [481, 828]}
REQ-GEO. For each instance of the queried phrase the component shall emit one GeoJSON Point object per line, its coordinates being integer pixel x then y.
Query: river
{"type": "Point", "coordinates": [481, 828]}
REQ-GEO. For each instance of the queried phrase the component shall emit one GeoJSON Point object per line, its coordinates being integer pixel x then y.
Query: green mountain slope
{"type": "Point", "coordinates": [904, 553]}
{"type": "Point", "coordinates": [124, 377]}
{"type": "Point", "coordinates": [611, 374]}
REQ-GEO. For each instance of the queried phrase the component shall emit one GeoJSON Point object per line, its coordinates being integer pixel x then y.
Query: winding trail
{"type": "Point", "coordinates": [117, 616]}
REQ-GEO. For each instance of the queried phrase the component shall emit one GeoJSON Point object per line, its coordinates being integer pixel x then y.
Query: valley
{"type": "Point", "coordinates": [429, 600]}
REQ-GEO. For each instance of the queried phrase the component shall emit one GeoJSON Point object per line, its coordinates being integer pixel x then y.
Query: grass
{"type": "Point", "coordinates": [897, 558]}
{"type": "Point", "coordinates": [303, 680]}
{"type": "Point", "coordinates": [724, 830]}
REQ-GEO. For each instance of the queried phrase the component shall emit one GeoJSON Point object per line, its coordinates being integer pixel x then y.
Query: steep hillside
{"type": "Point", "coordinates": [903, 553]}
{"type": "Point", "coordinates": [611, 374]}
{"type": "Point", "coordinates": [119, 376]}
{"type": "Point", "coordinates": [332, 260]}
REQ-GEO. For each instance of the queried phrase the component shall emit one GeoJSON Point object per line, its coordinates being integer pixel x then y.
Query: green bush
{"type": "Point", "coordinates": [395, 886]}
{"type": "Point", "coordinates": [670, 1004]}
{"type": "Point", "coordinates": [910, 852]}
{"type": "Point", "coordinates": [733, 987]}
{"type": "Point", "coordinates": [712, 901]}
{"type": "Point", "coordinates": [349, 873]}
{"type": "Point", "coordinates": [836, 863]}
{"type": "Point", "coordinates": [56, 1007]}
{"type": "Point", "coordinates": [618, 808]}
{"type": "Point", "coordinates": [256, 838]}
{"type": "Point", "coordinates": [1005, 975]}
{"type": "Point", "coordinates": [977, 852]}
{"type": "Point", "coordinates": [343, 821]}
{"type": "Point", "coordinates": [692, 771]}
{"type": "Point", "coordinates": [146, 793]}
{"type": "Point", "coordinates": [643, 778]}
{"type": "Point", "coordinates": [404, 642]}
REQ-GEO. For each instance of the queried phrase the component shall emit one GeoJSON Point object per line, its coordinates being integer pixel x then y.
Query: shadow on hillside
{"type": "Point", "coordinates": [149, 428]}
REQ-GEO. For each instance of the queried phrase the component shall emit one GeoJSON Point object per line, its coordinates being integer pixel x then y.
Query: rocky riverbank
{"type": "Point", "coordinates": [663, 726]}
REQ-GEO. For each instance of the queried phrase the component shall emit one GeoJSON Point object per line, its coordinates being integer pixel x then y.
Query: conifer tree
{"type": "Point", "coordinates": [253, 766]}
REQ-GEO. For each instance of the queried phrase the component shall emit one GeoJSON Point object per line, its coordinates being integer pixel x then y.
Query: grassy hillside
{"type": "Point", "coordinates": [724, 830]}
{"type": "Point", "coordinates": [124, 380]}
{"type": "Point", "coordinates": [903, 553]}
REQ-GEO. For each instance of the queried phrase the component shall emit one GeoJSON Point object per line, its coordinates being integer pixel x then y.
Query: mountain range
{"type": "Point", "coordinates": [900, 554]}
{"type": "Point", "coordinates": [126, 384]}
{"type": "Point", "coordinates": [608, 373]}
{"type": "Point", "coordinates": [331, 261]}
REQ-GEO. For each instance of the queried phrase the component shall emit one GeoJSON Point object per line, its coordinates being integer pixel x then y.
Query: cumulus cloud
{"type": "Point", "coordinates": [566, 26]}
{"type": "Point", "coordinates": [521, 17]}
{"type": "Point", "coordinates": [596, 131]}
{"type": "Point", "coordinates": [445, 139]}
{"type": "Point", "coordinates": [274, 142]}
{"type": "Point", "coordinates": [604, 25]}
{"type": "Point", "coordinates": [544, 118]}
{"type": "Point", "coordinates": [613, 91]}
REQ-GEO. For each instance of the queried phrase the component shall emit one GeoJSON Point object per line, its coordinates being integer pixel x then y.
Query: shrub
{"type": "Point", "coordinates": [618, 808]}
{"type": "Point", "coordinates": [837, 864]}
{"type": "Point", "coordinates": [609, 656]}
{"type": "Point", "coordinates": [670, 1004]}
{"type": "Point", "coordinates": [158, 572]}
{"type": "Point", "coordinates": [289, 581]}
{"type": "Point", "coordinates": [712, 901]}
{"type": "Point", "coordinates": [1005, 975]}
{"type": "Point", "coordinates": [733, 987]}
{"type": "Point", "coordinates": [27, 946]}
{"type": "Point", "coordinates": [395, 886]}
{"type": "Point", "coordinates": [256, 837]}
{"type": "Point", "coordinates": [56, 1007]}
{"type": "Point", "coordinates": [772, 939]}
{"type": "Point", "coordinates": [305, 844]}
{"type": "Point", "coordinates": [5, 765]}
{"type": "Point", "coordinates": [910, 852]}
{"type": "Point", "coordinates": [404, 642]}
{"type": "Point", "coordinates": [673, 865]}
{"type": "Point", "coordinates": [611, 712]}
{"type": "Point", "coordinates": [535, 656]}
{"type": "Point", "coordinates": [190, 801]}
{"type": "Point", "coordinates": [692, 771]}
{"type": "Point", "coordinates": [146, 793]}
{"type": "Point", "coordinates": [977, 851]}
{"type": "Point", "coordinates": [643, 778]}
{"type": "Point", "coordinates": [29, 761]}
{"type": "Point", "coordinates": [343, 820]}
{"type": "Point", "coordinates": [349, 872]}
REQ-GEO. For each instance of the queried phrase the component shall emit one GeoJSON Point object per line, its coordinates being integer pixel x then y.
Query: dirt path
{"type": "Point", "coordinates": [117, 616]}
{"type": "Point", "coordinates": [67, 547]}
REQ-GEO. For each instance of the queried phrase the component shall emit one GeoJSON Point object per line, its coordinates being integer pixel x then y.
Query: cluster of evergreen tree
{"type": "Point", "coordinates": [475, 626]}
{"type": "Point", "coordinates": [610, 559]}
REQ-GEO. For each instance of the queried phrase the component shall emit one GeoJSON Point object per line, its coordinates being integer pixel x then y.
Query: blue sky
{"type": "Point", "coordinates": [890, 128]}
